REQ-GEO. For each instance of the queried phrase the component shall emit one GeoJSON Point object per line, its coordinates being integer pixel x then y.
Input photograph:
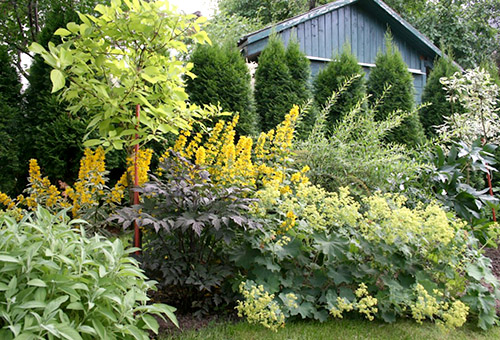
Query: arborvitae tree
{"type": "Point", "coordinates": [331, 78]}
{"type": "Point", "coordinates": [433, 115]}
{"type": "Point", "coordinates": [273, 84]}
{"type": "Point", "coordinates": [10, 113]}
{"type": "Point", "coordinates": [300, 71]}
{"type": "Point", "coordinates": [392, 70]}
{"type": "Point", "coordinates": [223, 78]}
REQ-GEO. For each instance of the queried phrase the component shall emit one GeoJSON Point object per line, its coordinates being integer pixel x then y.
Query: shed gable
{"type": "Point", "coordinates": [323, 32]}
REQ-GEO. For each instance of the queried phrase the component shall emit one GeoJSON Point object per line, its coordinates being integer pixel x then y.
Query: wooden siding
{"type": "Point", "coordinates": [323, 37]}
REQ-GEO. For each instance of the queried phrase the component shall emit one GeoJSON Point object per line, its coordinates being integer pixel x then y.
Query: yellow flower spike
{"type": "Point", "coordinates": [200, 156]}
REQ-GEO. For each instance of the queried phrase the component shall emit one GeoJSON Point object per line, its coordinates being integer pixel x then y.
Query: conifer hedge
{"type": "Point", "coordinates": [433, 115]}
{"type": "Point", "coordinates": [223, 78]}
{"type": "Point", "coordinates": [392, 70]}
{"type": "Point", "coordinates": [273, 84]}
{"type": "Point", "coordinates": [10, 112]}
{"type": "Point", "coordinates": [331, 78]}
{"type": "Point", "coordinates": [300, 73]}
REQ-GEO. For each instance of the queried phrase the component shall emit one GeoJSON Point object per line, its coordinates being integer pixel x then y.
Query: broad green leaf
{"type": "Point", "coordinates": [58, 80]}
{"type": "Point", "coordinates": [151, 323]}
{"type": "Point", "coordinates": [92, 142]}
{"type": "Point", "coordinates": [33, 304]}
{"type": "Point", "coordinates": [37, 48]}
{"type": "Point", "coordinates": [99, 328]}
{"type": "Point", "coordinates": [62, 32]}
{"type": "Point", "coordinates": [8, 258]}
{"type": "Point", "coordinates": [37, 283]}
{"type": "Point", "coordinates": [68, 332]}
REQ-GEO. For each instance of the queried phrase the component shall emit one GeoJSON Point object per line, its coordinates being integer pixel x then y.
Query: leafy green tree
{"type": "Point", "coordinates": [123, 58]}
{"type": "Point", "coordinates": [470, 28]}
{"type": "Point", "coordinates": [332, 77]}
{"type": "Point", "coordinates": [227, 28]}
{"type": "Point", "coordinates": [273, 84]}
{"type": "Point", "coordinates": [300, 72]}
{"type": "Point", "coordinates": [222, 77]}
{"type": "Point", "coordinates": [392, 71]}
{"type": "Point", "coordinates": [433, 115]}
{"type": "Point", "coordinates": [21, 22]}
{"type": "Point", "coordinates": [268, 11]}
{"type": "Point", "coordinates": [10, 108]}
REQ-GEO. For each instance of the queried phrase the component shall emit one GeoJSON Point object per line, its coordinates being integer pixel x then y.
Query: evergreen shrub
{"type": "Point", "coordinates": [392, 71]}
{"type": "Point", "coordinates": [434, 93]}
{"type": "Point", "coordinates": [10, 108]}
{"type": "Point", "coordinates": [273, 84]}
{"type": "Point", "coordinates": [223, 78]}
{"type": "Point", "coordinates": [331, 78]}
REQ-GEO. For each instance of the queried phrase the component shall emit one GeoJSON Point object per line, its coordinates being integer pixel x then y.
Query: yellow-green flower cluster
{"type": "Point", "coordinates": [387, 219]}
{"type": "Point", "coordinates": [90, 183]}
{"type": "Point", "coordinates": [343, 305]}
{"type": "Point", "coordinates": [364, 304]}
{"type": "Point", "coordinates": [259, 307]}
{"type": "Point", "coordinates": [451, 315]}
{"type": "Point", "coordinates": [40, 190]}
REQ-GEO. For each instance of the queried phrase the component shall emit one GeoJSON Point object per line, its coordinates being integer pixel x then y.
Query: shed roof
{"type": "Point", "coordinates": [377, 7]}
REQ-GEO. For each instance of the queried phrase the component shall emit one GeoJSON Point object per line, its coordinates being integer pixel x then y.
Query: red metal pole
{"type": "Point", "coordinates": [137, 231]}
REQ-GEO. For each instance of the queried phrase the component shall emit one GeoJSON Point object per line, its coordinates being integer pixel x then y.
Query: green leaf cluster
{"type": "Point", "coordinates": [222, 78]}
{"type": "Point", "coordinates": [392, 71]}
{"type": "Point", "coordinates": [434, 93]}
{"type": "Point", "coordinates": [332, 77]}
{"type": "Point", "coordinates": [281, 80]}
{"type": "Point", "coordinates": [57, 283]}
{"type": "Point", "coordinates": [353, 152]}
{"type": "Point", "coordinates": [126, 56]}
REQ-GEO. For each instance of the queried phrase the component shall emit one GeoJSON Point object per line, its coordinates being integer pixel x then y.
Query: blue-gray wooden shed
{"type": "Point", "coordinates": [322, 32]}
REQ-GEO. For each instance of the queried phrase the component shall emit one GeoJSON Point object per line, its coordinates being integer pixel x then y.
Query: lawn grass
{"type": "Point", "coordinates": [334, 329]}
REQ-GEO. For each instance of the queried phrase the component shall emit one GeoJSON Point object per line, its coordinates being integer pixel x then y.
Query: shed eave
{"type": "Point", "coordinates": [283, 25]}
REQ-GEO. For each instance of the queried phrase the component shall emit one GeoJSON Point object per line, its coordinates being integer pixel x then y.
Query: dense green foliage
{"type": "Point", "coordinates": [376, 257]}
{"type": "Point", "coordinates": [273, 84]}
{"type": "Point", "coordinates": [469, 28]}
{"type": "Point", "coordinates": [50, 134]}
{"type": "Point", "coordinates": [22, 21]}
{"type": "Point", "coordinates": [268, 11]}
{"type": "Point", "coordinates": [111, 81]}
{"type": "Point", "coordinates": [332, 77]}
{"type": "Point", "coordinates": [300, 72]}
{"type": "Point", "coordinates": [59, 284]}
{"type": "Point", "coordinates": [189, 223]}
{"type": "Point", "coordinates": [222, 78]}
{"type": "Point", "coordinates": [434, 93]}
{"type": "Point", "coordinates": [10, 108]}
{"type": "Point", "coordinates": [392, 71]}
{"type": "Point", "coordinates": [353, 152]}
{"type": "Point", "coordinates": [225, 28]}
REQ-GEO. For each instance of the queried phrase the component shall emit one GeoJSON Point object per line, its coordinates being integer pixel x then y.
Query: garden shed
{"type": "Point", "coordinates": [323, 31]}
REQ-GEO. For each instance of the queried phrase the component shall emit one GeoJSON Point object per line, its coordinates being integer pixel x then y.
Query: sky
{"type": "Point", "coordinates": [206, 7]}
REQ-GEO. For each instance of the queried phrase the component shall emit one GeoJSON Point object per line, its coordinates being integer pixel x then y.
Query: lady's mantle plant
{"type": "Point", "coordinates": [56, 283]}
